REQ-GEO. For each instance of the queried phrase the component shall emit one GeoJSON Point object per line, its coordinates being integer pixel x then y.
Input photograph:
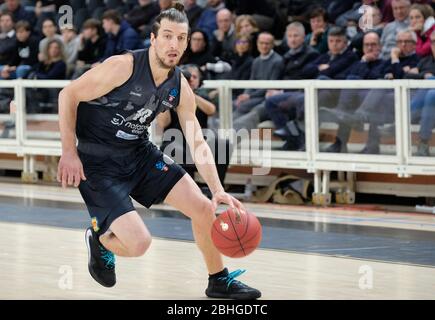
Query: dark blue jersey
{"type": "Point", "coordinates": [121, 118]}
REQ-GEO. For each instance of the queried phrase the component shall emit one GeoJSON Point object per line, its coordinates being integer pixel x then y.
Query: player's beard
{"type": "Point", "coordinates": [161, 62]}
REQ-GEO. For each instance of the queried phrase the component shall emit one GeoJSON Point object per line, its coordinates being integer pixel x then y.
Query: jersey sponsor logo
{"type": "Point", "coordinates": [126, 136]}
{"type": "Point", "coordinates": [118, 120]}
{"type": "Point", "coordinates": [136, 128]}
{"type": "Point", "coordinates": [167, 104]}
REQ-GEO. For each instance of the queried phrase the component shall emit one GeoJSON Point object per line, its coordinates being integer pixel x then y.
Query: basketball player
{"type": "Point", "coordinates": [109, 109]}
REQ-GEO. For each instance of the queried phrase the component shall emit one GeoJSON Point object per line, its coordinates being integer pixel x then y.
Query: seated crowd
{"type": "Point", "coordinates": [249, 40]}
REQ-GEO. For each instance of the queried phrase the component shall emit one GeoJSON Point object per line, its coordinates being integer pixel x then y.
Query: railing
{"type": "Point", "coordinates": [402, 163]}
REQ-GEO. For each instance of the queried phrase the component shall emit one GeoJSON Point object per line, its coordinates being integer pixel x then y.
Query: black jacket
{"type": "Point", "coordinates": [7, 50]}
{"type": "Point", "coordinates": [337, 66]}
{"type": "Point", "coordinates": [139, 16]}
{"type": "Point", "coordinates": [26, 52]}
{"type": "Point", "coordinates": [294, 63]}
{"type": "Point", "coordinates": [92, 52]}
{"type": "Point", "coordinates": [193, 15]}
{"type": "Point", "coordinates": [241, 67]}
{"type": "Point", "coordinates": [426, 65]}
{"type": "Point", "coordinates": [397, 68]}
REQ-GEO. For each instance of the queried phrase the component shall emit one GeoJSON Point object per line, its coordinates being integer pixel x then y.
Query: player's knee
{"type": "Point", "coordinates": [140, 246]}
{"type": "Point", "coordinates": [204, 211]}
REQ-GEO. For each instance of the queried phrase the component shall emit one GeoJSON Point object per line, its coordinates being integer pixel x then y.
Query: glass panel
{"type": "Point", "coordinates": [422, 118]}
{"type": "Point", "coordinates": [41, 113]}
{"type": "Point", "coordinates": [357, 121]}
{"type": "Point", "coordinates": [278, 114]}
{"type": "Point", "coordinates": [7, 114]}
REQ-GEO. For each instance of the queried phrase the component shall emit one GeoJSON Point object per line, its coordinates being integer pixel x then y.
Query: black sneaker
{"type": "Point", "coordinates": [228, 288]}
{"type": "Point", "coordinates": [101, 262]}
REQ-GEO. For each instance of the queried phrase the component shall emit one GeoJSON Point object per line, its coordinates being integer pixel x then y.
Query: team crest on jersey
{"type": "Point", "coordinates": [160, 165]}
{"type": "Point", "coordinates": [173, 94]}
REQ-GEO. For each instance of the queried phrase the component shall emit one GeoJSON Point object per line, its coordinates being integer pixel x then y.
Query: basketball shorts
{"type": "Point", "coordinates": [114, 177]}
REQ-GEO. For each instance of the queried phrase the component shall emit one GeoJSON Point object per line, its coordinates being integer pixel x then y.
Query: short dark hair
{"type": "Point", "coordinates": [337, 32]}
{"type": "Point", "coordinates": [49, 19]}
{"type": "Point", "coordinates": [7, 13]}
{"type": "Point", "coordinates": [113, 15]}
{"type": "Point", "coordinates": [91, 24]}
{"type": "Point", "coordinates": [372, 32]}
{"type": "Point", "coordinates": [23, 24]}
{"type": "Point", "coordinates": [175, 14]}
{"type": "Point", "coordinates": [318, 12]}
{"type": "Point", "coordinates": [266, 33]}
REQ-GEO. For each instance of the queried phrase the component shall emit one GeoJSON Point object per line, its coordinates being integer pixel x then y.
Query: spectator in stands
{"type": "Point", "coordinates": [402, 57]}
{"type": "Point", "coordinates": [49, 6]}
{"type": "Point", "coordinates": [263, 12]}
{"type": "Point", "coordinates": [336, 8]}
{"type": "Point", "coordinates": [92, 47]}
{"type": "Point", "coordinates": [193, 12]}
{"type": "Point", "coordinates": [370, 67]}
{"type": "Point", "coordinates": [332, 65]}
{"type": "Point", "coordinates": [422, 22]}
{"type": "Point", "coordinates": [268, 66]}
{"type": "Point", "coordinates": [401, 12]}
{"type": "Point", "coordinates": [297, 57]}
{"type": "Point", "coordinates": [7, 39]}
{"type": "Point", "coordinates": [19, 12]}
{"type": "Point", "coordinates": [224, 36]}
{"type": "Point", "coordinates": [49, 30]}
{"type": "Point", "coordinates": [246, 24]}
{"type": "Point", "coordinates": [298, 8]}
{"type": "Point", "coordinates": [377, 108]}
{"type": "Point", "coordinates": [142, 15]}
{"type": "Point", "coordinates": [205, 108]}
{"type": "Point", "coordinates": [318, 38]}
{"type": "Point", "coordinates": [242, 62]}
{"type": "Point", "coordinates": [120, 35]}
{"type": "Point", "coordinates": [26, 54]}
{"type": "Point", "coordinates": [207, 20]}
{"type": "Point", "coordinates": [354, 14]}
{"type": "Point", "coordinates": [299, 53]}
{"type": "Point", "coordinates": [47, 9]}
{"type": "Point", "coordinates": [198, 52]}
{"type": "Point", "coordinates": [71, 43]}
{"type": "Point", "coordinates": [423, 102]}
{"type": "Point", "coordinates": [53, 65]}
{"type": "Point", "coordinates": [239, 68]}
{"type": "Point", "coordinates": [372, 21]}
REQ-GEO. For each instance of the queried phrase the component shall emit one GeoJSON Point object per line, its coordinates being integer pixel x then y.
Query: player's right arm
{"type": "Point", "coordinates": [93, 84]}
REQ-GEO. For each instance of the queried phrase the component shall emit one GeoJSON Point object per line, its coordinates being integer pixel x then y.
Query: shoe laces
{"type": "Point", "coordinates": [108, 258]}
{"type": "Point", "coordinates": [231, 277]}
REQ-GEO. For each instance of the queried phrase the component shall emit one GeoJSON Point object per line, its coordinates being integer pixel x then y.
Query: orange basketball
{"type": "Point", "coordinates": [236, 235]}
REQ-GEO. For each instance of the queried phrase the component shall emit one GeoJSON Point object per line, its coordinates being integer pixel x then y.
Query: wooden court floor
{"type": "Point", "coordinates": [39, 262]}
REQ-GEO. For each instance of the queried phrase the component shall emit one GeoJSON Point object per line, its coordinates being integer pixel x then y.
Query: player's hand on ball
{"type": "Point", "coordinates": [70, 170]}
{"type": "Point", "coordinates": [223, 197]}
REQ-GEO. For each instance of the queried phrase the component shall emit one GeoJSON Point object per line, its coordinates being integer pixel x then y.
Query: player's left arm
{"type": "Point", "coordinates": [201, 153]}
